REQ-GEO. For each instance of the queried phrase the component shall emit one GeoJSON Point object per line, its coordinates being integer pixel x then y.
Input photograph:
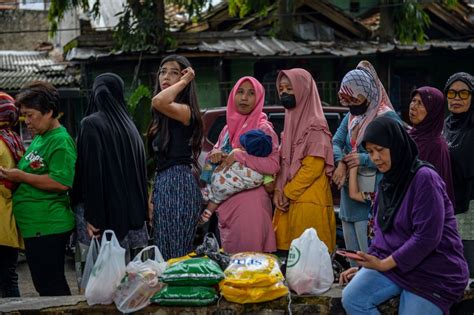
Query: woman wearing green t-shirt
{"type": "Point", "coordinates": [44, 174]}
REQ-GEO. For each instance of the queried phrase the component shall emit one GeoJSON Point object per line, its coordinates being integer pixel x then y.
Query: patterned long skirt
{"type": "Point", "coordinates": [176, 202]}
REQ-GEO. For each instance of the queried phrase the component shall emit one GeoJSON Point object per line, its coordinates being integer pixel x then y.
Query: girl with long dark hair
{"type": "Point", "coordinates": [174, 137]}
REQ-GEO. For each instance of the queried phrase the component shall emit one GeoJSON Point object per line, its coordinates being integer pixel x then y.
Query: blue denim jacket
{"type": "Point", "coordinates": [351, 210]}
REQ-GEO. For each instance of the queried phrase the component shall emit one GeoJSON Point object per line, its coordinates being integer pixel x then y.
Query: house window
{"type": "Point", "coordinates": [33, 5]}
{"type": "Point", "coordinates": [355, 6]}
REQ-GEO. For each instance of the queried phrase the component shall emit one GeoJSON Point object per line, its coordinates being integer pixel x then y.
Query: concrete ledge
{"type": "Point", "coordinates": [328, 303]}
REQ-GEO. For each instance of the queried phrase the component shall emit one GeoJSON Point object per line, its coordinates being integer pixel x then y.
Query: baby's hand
{"type": "Point", "coordinates": [270, 187]}
{"type": "Point", "coordinates": [230, 159]}
{"type": "Point", "coordinates": [217, 157]}
{"type": "Point", "coordinates": [205, 216]}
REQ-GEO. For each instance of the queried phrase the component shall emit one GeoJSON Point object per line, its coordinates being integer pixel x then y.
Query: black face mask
{"type": "Point", "coordinates": [287, 100]}
{"type": "Point", "coordinates": [358, 110]}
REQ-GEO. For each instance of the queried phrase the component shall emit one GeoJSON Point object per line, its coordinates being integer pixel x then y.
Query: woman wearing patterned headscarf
{"type": "Point", "coordinates": [11, 150]}
{"type": "Point", "coordinates": [364, 94]}
{"type": "Point", "coordinates": [459, 134]}
{"type": "Point", "coordinates": [427, 117]}
{"type": "Point", "coordinates": [303, 193]}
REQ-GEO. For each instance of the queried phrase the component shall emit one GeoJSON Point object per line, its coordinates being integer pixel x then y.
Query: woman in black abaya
{"type": "Point", "coordinates": [459, 134]}
{"type": "Point", "coordinates": [110, 186]}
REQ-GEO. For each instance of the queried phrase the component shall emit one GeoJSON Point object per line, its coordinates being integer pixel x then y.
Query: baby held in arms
{"type": "Point", "coordinates": [225, 181]}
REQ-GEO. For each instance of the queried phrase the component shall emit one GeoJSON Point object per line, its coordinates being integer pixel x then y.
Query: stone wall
{"type": "Point", "coordinates": [325, 304]}
{"type": "Point", "coordinates": [19, 29]}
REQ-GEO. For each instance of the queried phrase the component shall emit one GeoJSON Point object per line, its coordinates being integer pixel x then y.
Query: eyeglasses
{"type": "Point", "coordinates": [416, 104]}
{"type": "Point", "coordinates": [463, 94]}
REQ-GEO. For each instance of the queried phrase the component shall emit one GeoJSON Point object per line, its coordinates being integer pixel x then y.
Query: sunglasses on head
{"type": "Point", "coordinates": [463, 94]}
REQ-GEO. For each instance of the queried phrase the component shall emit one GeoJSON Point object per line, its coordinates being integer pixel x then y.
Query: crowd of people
{"type": "Point", "coordinates": [410, 187]}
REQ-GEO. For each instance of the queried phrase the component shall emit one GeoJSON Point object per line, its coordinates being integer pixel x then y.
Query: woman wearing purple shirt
{"type": "Point", "coordinates": [417, 251]}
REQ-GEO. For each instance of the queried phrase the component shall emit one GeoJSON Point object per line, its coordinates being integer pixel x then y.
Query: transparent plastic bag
{"type": "Point", "coordinates": [309, 267]}
{"type": "Point", "coordinates": [244, 295]}
{"type": "Point", "coordinates": [251, 269]}
{"type": "Point", "coordinates": [108, 271]}
{"type": "Point", "coordinates": [91, 258]}
{"type": "Point", "coordinates": [193, 272]}
{"type": "Point", "coordinates": [186, 296]}
{"type": "Point", "coordinates": [140, 282]}
{"type": "Point", "coordinates": [253, 278]}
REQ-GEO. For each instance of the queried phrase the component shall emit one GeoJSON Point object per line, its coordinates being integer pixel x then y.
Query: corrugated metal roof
{"type": "Point", "coordinates": [257, 46]}
{"type": "Point", "coordinates": [20, 67]}
{"type": "Point", "coordinates": [268, 46]}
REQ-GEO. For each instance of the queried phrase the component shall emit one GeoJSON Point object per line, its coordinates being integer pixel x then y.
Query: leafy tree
{"type": "Point", "coordinates": [142, 24]}
{"type": "Point", "coordinates": [57, 9]}
{"type": "Point", "coordinates": [139, 107]}
{"type": "Point", "coordinates": [243, 8]}
{"type": "Point", "coordinates": [405, 20]}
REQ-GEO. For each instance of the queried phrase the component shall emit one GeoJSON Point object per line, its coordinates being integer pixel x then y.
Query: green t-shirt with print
{"type": "Point", "coordinates": [40, 212]}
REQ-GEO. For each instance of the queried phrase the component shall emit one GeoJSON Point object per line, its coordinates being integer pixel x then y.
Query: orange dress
{"type": "Point", "coordinates": [311, 206]}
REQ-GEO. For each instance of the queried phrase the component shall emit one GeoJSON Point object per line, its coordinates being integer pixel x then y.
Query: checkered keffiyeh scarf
{"type": "Point", "coordinates": [8, 118]}
{"type": "Point", "coordinates": [364, 81]}
{"type": "Point", "coordinates": [359, 82]}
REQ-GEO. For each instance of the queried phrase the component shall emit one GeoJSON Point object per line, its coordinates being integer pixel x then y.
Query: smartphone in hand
{"type": "Point", "coordinates": [352, 254]}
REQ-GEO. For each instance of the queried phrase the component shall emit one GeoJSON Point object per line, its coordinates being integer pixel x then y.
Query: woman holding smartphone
{"type": "Point", "coordinates": [416, 252]}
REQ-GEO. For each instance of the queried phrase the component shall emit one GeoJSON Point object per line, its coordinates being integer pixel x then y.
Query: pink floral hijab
{"type": "Point", "coordinates": [364, 81]}
{"type": "Point", "coordinates": [306, 131]}
{"type": "Point", "coordinates": [238, 124]}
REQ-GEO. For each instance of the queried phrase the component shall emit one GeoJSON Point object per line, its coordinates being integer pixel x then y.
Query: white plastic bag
{"type": "Point", "coordinates": [140, 282]}
{"type": "Point", "coordinates": [91, 258]}
{"type": "Point", "coordinates": [309, 267]}
{"type": "Point", "coordinates": [108, 270]}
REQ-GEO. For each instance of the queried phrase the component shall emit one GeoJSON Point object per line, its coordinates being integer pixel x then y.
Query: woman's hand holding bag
{"type": "Point", "coordinates": [108, 271]}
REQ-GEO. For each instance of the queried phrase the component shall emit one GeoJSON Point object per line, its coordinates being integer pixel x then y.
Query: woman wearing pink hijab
{"type": "Point", "coordinates": [245, 219]}
{"type": "Point", "coordinates": [303, 196]}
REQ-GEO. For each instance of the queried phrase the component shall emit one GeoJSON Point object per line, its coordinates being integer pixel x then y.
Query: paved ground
{"type": "Point", "coordinates": [27, 288]}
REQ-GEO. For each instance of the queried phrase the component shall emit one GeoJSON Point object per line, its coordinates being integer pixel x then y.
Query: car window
{"type": "Point", "coordinates": [333, 120]}
{"type": "Point", "coordinates": [216, 128]}
{"type": "Point", "coordinates": [278, 121]}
